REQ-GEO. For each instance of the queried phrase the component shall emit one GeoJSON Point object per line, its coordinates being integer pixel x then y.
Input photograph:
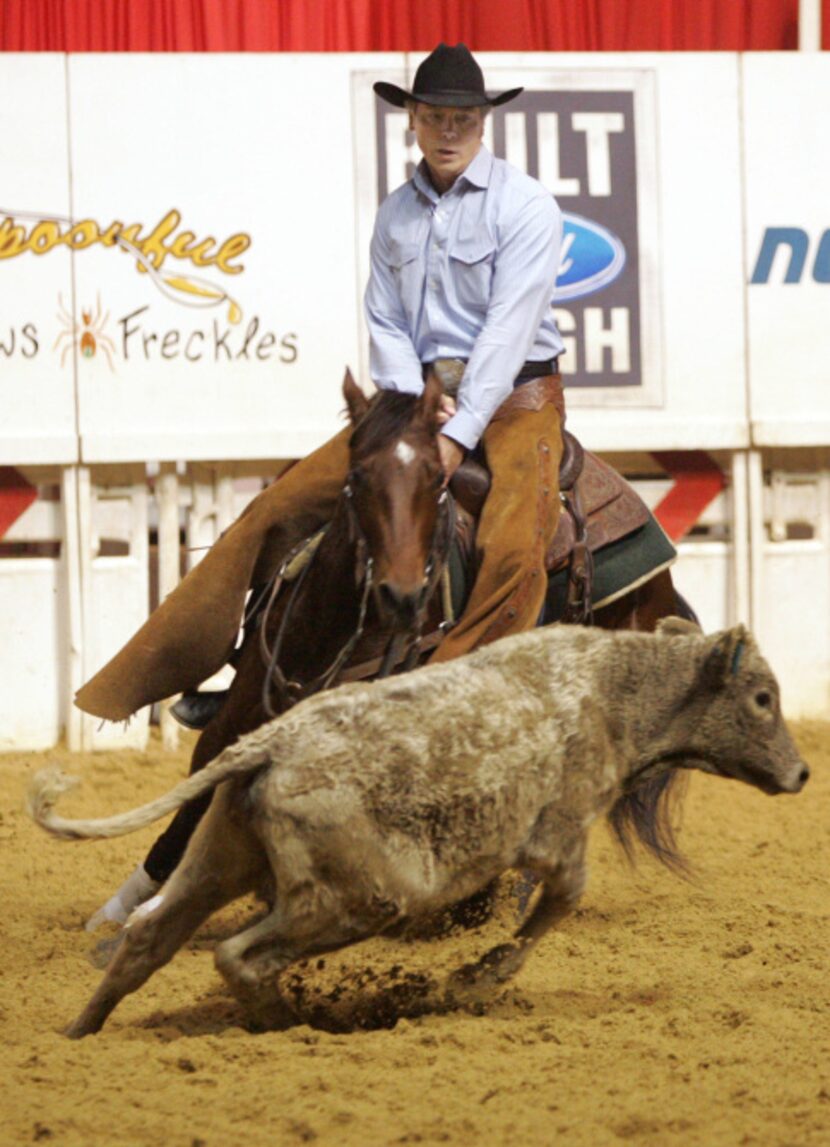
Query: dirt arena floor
{"type": "Point", "coordinates": [663, 1012]}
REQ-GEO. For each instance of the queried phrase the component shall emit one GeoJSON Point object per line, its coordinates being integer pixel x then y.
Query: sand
{"type": "Point", "coordinates": [663, 1012]}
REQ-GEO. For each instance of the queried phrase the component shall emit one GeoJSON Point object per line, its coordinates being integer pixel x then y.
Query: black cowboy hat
{"type": "Point", "coordinates": [448, 77]}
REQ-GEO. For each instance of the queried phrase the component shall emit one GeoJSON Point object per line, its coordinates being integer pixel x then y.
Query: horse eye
{"type": "Point", "coordinates": [763, 699]}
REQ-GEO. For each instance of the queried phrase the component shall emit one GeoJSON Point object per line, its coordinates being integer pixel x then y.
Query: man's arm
{"type": "Point", "coordinates": [394, 364]}
{"type": "Point", "coordinates": [526, 266]}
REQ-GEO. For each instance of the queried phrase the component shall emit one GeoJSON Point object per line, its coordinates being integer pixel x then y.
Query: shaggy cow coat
{"type": "Point", "coordinates": [381, 802]}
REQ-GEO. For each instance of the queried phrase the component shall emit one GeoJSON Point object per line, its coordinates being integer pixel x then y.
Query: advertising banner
{"type": "Point", "coordinates": [195, 290]}
{"type": "Point", "coordinates": [787, 141]}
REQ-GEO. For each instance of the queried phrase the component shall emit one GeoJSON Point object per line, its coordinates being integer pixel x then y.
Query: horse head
{"type": "Point", "coordinates": [396, 489]}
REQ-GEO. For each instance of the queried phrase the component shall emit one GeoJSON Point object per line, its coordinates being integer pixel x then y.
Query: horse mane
{"type": "Point", "coordinates": [645, 812]}
{"type": "Point", "coordinates": [390, 413]}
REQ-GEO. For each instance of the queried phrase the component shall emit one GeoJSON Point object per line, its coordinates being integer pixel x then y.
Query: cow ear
{"type": "Point", "coordinates": [431, 401]}
{"type": "Point", "coordinates": [723, 660]}
{"type": "Point", "coordinates": [356, 401]}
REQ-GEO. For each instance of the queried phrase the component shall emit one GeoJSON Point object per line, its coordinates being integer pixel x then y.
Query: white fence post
{"type": "Point", "coordinates": [167, 495]}
{"type": "Point", "coordinates": [72, 563]}
{"type": "Point", "coordinates": [741, 540]}
{"type": "Point", "coordinates": [757, 540]}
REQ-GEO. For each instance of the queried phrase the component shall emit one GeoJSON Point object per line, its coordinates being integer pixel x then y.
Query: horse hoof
{"type": "Point", "coordinates": [137, 888]}
{"type": "Point", "coordinates": [197, 710]}
{"type": "Point", "coordinates": [101, 955]}
{"type": "Point", "coordinates": [78, 1030]}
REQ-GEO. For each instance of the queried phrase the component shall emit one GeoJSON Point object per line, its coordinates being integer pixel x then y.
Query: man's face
{"type": "Point", "coordinates": [449, 139]}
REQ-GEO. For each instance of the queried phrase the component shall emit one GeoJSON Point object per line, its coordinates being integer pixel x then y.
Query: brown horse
{"type": "Point", "coordinates": [361, 599]}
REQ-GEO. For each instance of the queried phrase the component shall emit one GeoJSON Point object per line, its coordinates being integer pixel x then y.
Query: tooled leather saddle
{"type": "Point", "coordinates": [598, 508]}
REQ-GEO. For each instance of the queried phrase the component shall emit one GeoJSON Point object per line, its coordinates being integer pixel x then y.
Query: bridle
{"type": "Point", "coordinates": [402, 649]}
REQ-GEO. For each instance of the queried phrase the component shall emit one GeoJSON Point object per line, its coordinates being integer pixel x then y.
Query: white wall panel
{"type": "Point", "coordinates": [37, 400]}
{"type": "Point", "coordinates": [787, 141]}
{"type": "Point", "coordinates": [32, 652]}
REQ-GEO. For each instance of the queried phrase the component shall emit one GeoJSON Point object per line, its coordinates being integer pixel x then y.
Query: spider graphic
{"type": "Point", "coordinates": [88, 334]}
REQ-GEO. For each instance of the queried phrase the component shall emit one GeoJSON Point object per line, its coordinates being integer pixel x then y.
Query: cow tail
{"type": "Point", "coordinates": [49, 785]}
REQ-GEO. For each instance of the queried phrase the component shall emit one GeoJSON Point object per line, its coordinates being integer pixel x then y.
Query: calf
{"type": "Point", "coordinates": [378, 803]}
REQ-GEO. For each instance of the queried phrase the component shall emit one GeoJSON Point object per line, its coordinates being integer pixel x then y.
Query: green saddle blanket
{"type": "Point", "coordinates": [619, 567]}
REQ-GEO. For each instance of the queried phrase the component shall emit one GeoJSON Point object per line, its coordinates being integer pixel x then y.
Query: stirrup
{"type": "Point", "coordinates": [196, 710]}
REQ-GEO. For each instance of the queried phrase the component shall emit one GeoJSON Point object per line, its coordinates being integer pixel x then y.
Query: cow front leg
{"type": "Point", "coordinates": [151, 937]}
{"type": "Point", "coordinates": [561, 891]}
{"type": "Point", "coordinates": [221, 863]}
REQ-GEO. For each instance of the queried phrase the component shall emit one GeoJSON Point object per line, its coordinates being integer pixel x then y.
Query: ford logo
{"type": "Point", "coordinates": [591, 258]}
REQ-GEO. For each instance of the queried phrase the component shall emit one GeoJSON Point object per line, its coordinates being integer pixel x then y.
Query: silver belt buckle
{"type": "Point", "coordinates": [449, 372]}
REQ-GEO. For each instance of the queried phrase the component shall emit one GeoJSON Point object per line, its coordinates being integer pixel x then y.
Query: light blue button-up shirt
{"type": "Point", "coordinates": [468, 274]}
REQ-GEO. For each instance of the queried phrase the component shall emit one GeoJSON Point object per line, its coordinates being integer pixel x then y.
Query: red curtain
{"type": "Point", "coordinates": [399, 25]}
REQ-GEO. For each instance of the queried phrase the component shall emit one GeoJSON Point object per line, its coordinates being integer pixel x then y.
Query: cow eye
{"type": "Point", "coordinates": [763, 699]}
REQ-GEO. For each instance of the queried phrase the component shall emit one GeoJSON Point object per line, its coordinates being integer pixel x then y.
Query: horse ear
{"type": "Point", "coordinates": [678, 626]}
{"type": "Point", "coordinates": [356, 400]}
{"type": "Point", "coordinates": [431, 400]}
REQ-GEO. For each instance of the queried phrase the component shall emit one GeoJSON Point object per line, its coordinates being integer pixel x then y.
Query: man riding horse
{"type": "Point", "coordinates": [464, 258]}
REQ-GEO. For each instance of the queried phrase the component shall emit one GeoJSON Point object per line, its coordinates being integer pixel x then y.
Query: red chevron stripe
{"type": "Point", "coordinates": [16, 496]}
{"type": "Point", "coordinates": [697, 481]}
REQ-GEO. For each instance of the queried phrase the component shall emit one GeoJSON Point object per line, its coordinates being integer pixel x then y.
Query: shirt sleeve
{"type": "Point", "coordinates": [393, 361]}
{"type": "Point", "coordinates": [524, 275]}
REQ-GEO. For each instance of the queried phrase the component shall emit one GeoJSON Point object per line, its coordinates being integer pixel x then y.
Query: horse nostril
{"type": "Point", "coordinates": [804, 776]}
{"type": "Point", "coordinates": [402, 604]}
{"type": "Point", "coordinates": [390, 595]}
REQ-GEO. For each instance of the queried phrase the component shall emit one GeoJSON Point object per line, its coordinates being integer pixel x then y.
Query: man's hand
{"type": "Point", "coordinates": [446, 410]}
{"type": "Point", "coordinates": [452, 455]}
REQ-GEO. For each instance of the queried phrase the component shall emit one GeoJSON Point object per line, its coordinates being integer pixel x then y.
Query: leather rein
{"type": "Point", "coordinates": [402, 649]}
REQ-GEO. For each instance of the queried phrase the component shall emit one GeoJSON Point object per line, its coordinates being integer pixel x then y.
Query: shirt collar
{"type": "Point", "coordinates": [477, 173]}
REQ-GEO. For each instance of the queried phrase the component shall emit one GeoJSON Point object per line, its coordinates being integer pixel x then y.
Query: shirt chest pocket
{"type": "Point", "coordinates": [471, 268]}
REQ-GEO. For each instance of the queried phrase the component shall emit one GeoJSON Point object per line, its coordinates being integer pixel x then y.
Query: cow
{"type": "Point", "coordinates": [376, 804]}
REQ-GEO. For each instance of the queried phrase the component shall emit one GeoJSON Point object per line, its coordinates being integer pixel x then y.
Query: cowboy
{"type": "Point", "coordinates": [464, 258]}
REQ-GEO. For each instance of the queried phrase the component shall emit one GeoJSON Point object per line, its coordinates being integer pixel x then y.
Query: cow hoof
{"type": "Point", "coordinates": [491, 970]}
{"type": "Point", "coordinates": [276, 1017]}
{"type": "Point", "coordinates": [266, 1009]}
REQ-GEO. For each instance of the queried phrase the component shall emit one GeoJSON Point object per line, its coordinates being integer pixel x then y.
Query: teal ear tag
{"type": "Point", "coordinates": [736, 658]}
